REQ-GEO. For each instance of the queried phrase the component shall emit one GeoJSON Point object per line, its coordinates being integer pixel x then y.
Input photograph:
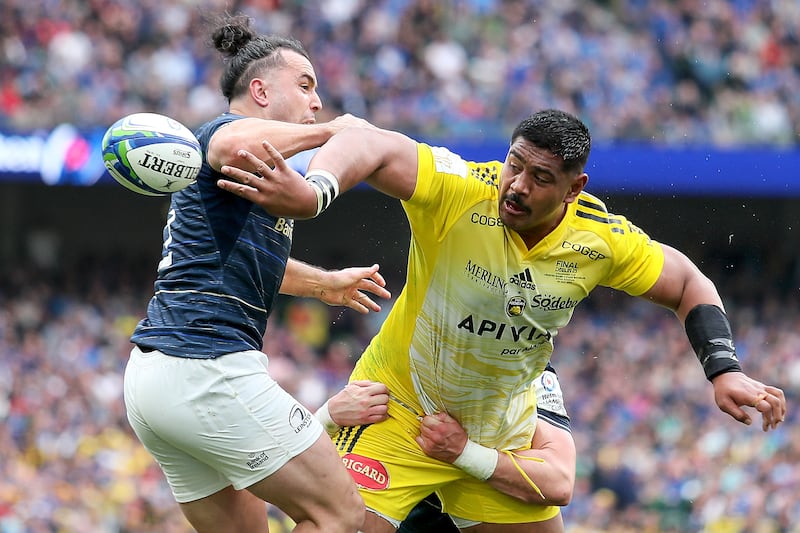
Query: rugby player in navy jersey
{"type": "Point", "coordinates": [501, 253]}
{"type": "Point", "coordinates": [197, 388]}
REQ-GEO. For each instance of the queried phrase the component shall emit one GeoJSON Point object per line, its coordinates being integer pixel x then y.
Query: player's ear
{"type": "Point", "coordinates": [259, 92]}
{"type": "Point", "coordinates": [578, 184]}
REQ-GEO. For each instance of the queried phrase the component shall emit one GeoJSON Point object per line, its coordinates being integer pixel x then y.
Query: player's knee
{"type": "Point", "coordinates": [350, 513]}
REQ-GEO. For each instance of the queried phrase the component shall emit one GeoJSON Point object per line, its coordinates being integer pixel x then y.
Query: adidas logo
{"type": "Point", "coordinates": [524, 280]}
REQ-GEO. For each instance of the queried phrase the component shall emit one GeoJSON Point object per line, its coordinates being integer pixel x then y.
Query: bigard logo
{"type": "Point", "coordinates": [366, 472]}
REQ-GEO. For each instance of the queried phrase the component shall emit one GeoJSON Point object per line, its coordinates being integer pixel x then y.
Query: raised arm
{"type": "Point", "coordinates": [287, 138]}
{"type": "Point", "coordinates": [386, 160]}
{"type": "Point", "coordinates": [695, 300]}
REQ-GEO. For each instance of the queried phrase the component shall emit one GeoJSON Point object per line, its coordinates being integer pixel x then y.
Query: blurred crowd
{"type": "Point", "coordinates": [655, 455]}
{"type": "Point", "coordinates": [681, 72]}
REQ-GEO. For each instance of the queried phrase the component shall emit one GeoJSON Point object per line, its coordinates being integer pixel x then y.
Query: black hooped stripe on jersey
{"type": "Point", "coordinates": [592, 205]}
{"type": "Point", "coordinates": [592, 216]}
{"type": "Point", "coordinates": [602, 220]}
{"type": "Point", "coordinates": [342, 436]}
{"type": "Point", "coordinates": [348, 437]}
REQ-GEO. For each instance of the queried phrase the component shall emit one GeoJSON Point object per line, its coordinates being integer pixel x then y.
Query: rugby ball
{"type": "Point", "coordinates": [151, 154]}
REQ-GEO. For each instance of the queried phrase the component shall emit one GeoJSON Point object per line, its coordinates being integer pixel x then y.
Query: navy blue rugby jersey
{"type": "Point", "coordinates": [222, 263]}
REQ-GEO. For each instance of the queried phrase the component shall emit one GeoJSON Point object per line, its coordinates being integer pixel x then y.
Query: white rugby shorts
{"type": "Point", "coordinates": [210, 423]}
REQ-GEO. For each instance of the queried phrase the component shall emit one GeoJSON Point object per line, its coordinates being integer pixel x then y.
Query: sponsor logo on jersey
{"type": "Point", "coordinates": [485, 277]}
{"type": "Point", "coordinates": [256, 459]}
{"type": "Point", "coordinates": [548, 381]}
{"type": "Point", "coordinates": [515, 306]}
{"type": "Point", "coordinates": [366, 472]}
{"type": "Point", "coordinates": [299, 418]}
{"type": "Point", "coordinates": [524, 280]}
{"type": "Point", "coordinates": [284, 226]}
{"type": "Point", "coordinates": [566, 267]}
{"type": "Point", "coordinates": [447, 162]}
{"type": "Point", "coordinates": [485, 220]}
{"type": "Point", "coordinates": [552, 303]}
{"type": "Point", "coordinates": [582, 249]}
{"type": "Point", "coordinates": [502, 330]}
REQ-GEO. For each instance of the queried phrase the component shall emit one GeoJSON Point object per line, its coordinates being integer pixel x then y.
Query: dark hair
{"type": "Point", "coordinates": [560, 133]}
{"type": "Point", "coordinates": [247, 53]}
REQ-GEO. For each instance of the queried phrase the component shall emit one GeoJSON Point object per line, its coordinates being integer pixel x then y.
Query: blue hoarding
{"type": "Point", "coordinates": [69, 156]}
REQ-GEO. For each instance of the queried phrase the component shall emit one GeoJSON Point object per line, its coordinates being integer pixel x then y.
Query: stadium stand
{"type": "Point", "coordinates": [654, 455]}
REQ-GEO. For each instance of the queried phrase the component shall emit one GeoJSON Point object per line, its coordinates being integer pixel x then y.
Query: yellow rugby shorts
{"type": "Point", "coordinates": [394, 474]}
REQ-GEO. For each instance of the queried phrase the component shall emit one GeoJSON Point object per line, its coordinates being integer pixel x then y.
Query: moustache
{"type": "Point", "coordinates": [515, 199]}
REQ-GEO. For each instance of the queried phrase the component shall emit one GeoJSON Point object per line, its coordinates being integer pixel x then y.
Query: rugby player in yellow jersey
{"type": "Point", "coordinates": [501, 253]}
{"type": "Point", "coordinates": [552, 455]}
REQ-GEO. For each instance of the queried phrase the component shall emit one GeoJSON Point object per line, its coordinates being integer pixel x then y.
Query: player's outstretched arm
{"type": "Point", "coordinates": [346, 287]}
{"type": "Point", "coordinates": [443, 438]}
{"type": "Point", "coordinates": [695, 300]}
{"type": "Point", "coordinates": [386, 160]}
{"type": "Point", "coordinates": [287, 138]}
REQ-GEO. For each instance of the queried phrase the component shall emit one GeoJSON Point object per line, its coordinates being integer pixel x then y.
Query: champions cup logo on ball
{"type": "Point", "coordinates": [151, 154]}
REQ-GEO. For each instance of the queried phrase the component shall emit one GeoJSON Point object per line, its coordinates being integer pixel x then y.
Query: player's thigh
{"type": "Point", "coordinates": [553, 525]}
{"type": "Point", "coordinates": [227, 511]}
{"type": "Point", "coordinates": [377, 524]}
{"type": "Point", "coordinates": [313, 486]}
{"type": "Point", "coordinates": [227, 414]}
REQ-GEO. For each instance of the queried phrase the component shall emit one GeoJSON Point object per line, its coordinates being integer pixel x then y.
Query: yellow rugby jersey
{"type": "Point", "coordinates": [475, 323]}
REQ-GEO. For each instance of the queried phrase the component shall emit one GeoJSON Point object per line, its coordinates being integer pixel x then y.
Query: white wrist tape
{"type": "Point", "coordinates": [324, 416]}
{"type": "Point", "coordinates": [325, 185]}
{"type": "Point", "coordinates": [477, 461]}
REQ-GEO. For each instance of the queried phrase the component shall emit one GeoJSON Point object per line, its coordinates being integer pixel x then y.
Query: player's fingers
{"type": "Point", "coordinates": [362, 303]}
{"type": "Point", "coordinates": [358, 306]}
{"type": "Point", "coordinates": [768, 419]}
{"type": "Point", "coordinates": [276, 156]}
{"type": "Point", "coordinates": [261, 167]}
{"type": "Point", "coordinates": [378, 388]}
{"type": "Point", "coordinates": [380, 400]}
{"type": "Point", "coordinates": [242, 176]}
{"type": "Point", "coordinates": [377, 289]}
{"type": "Point", "coordinates": [370, 305]}
{"type": "Point", "coordinates": [777, 399]}
{"type": "Point", "coordinates": [377, 277]}
{"type": "Point", "coordinates": [239, 189]}
{"type": "Point", "coordinates": [378, 412]}
{"type": "Point", "coordinates": [772, 407]}
{"type": "Point", "coordinates": [733, 409]}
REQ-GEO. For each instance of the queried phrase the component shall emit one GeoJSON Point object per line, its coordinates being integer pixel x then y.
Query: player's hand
{"type": "Point", "coordinates": [348, 286]}
{"type": "Point", "coordinates": [359, 403]}
{"type": "Point", "coordinates": [280, 190]}
{"type": "Point", "coordinates": [349, 121]}
{"type": "Point", "coordinates": [734, 391]}
{"type": "Point", "coordinates": [441, 437]}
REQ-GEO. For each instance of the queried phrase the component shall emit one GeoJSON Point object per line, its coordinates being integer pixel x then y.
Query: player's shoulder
{"type": "Point", "coordinates": [446, 162]}
{"type": "Point", "coordinates": [207, 129]}
{"type": "Point", "coordinates": [590, 214]}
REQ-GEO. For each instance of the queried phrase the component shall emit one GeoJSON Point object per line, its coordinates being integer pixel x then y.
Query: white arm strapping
{"type": "Point", "coordinates": [477, 461]}
{"type": "Point", "coordinates": [324, 416]}
{"type": "Point", "coordinates": [326, 187]}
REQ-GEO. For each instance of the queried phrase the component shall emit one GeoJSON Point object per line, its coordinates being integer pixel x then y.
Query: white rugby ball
{"type": "Point", "coordinates": [151, 154]}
